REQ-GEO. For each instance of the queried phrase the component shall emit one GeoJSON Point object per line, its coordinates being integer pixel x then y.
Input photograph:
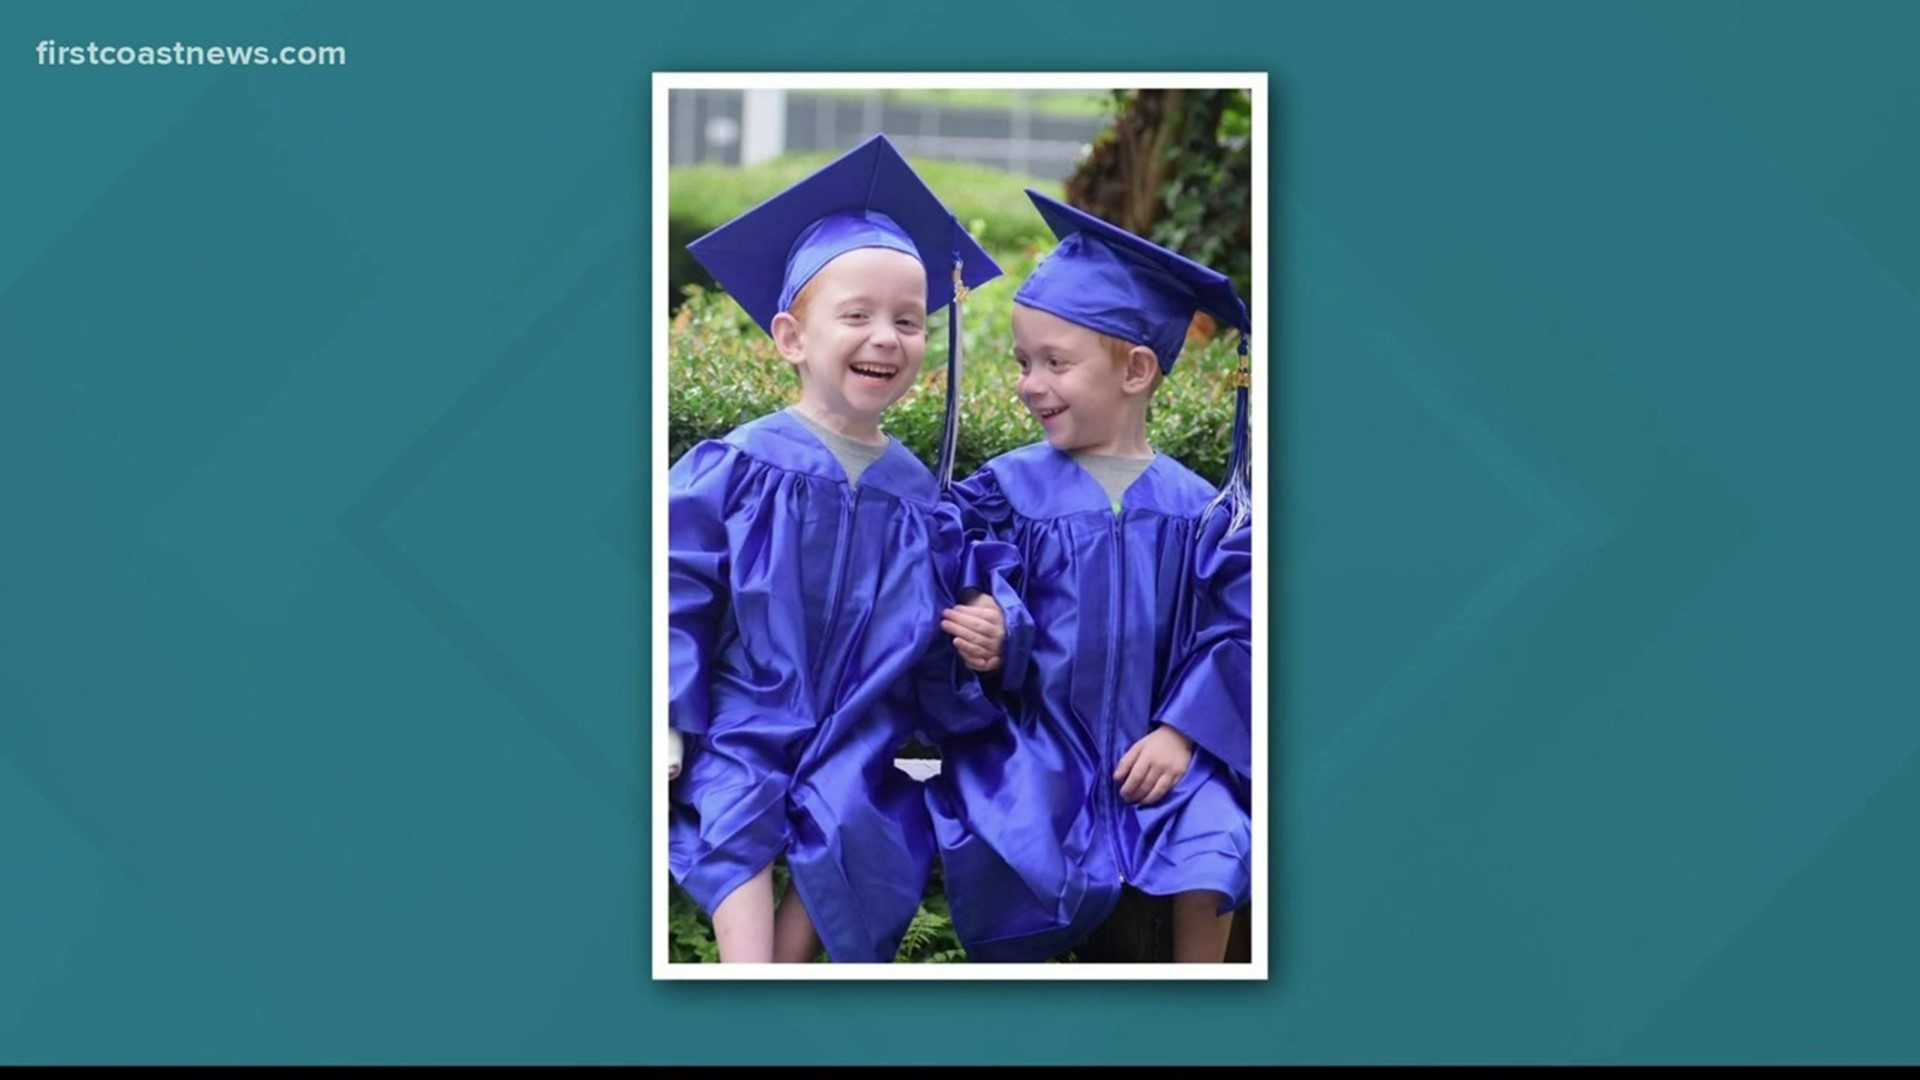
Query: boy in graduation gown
{"type": "Point", "coordinates": [1126, 756]}
{"type": "Point", "coordinates": [811, 559]}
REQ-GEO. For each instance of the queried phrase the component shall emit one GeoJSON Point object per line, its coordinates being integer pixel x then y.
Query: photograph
{"type": "Point", "coordinates": [957, 536]}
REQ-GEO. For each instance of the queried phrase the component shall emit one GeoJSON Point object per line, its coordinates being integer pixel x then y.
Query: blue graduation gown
{"type": "Point", "coordinates": [1137, 617]}
{"type": "Point", "coordinates": [805, 649]}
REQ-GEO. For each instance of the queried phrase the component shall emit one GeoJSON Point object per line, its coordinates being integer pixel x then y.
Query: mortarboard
{"type": "Point", "coordinates": [1105, 278]}
{"type": "Point", "coordinates": [867, 197]}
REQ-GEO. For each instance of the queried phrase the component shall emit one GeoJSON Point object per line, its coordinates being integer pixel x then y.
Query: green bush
{"type": "Point", "coordinates": [1208, 194]}
{"type": "Point", "coordinates": [700, 198]}
{"type": "Point", "coordinates": [723, 371]}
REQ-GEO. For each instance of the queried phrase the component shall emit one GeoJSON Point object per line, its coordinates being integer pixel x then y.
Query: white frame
{"type": "Point", "coordinates": [1256, 85]}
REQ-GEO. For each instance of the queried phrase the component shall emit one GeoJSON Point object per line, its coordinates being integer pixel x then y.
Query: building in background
{"type": "Point", "coordinates": [1040, 133]}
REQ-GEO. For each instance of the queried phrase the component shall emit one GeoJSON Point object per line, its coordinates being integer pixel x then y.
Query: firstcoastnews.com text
{"type": "Point", "coordinates": [53, 54]}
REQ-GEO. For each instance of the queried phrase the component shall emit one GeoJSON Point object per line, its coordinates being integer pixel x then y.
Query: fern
{"type": "Point", "coordinates": [920, 934]}
{"type": "Point", "coordinates": [930, 937]}
{"type": "Point", "coordinates": [689, 931]}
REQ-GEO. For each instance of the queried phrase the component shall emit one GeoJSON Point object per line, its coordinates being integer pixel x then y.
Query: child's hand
{"type": "Point", "coordinates": [978, 629]}
{"type": "Point", "coordinates": [1154, 765]}
{"type": "Point", "coordinates": [674, 751]}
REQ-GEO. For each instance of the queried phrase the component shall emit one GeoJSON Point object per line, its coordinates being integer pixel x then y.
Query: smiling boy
{"type": "Point", "coordinates": [811, 559]}
{"type": "Point", "coordinates": [1126, 757]}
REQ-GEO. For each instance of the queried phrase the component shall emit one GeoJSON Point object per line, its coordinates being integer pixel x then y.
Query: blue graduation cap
{"type": "Point", "coordinates": [867, 197]}
{"type": "Point", "coordinates": [1105, 278]}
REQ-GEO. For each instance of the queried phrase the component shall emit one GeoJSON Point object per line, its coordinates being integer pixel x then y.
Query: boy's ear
{"type": "Point", "coordinates": [1142, 366]}
{"type": "Point", "coordinates": [786, 337]}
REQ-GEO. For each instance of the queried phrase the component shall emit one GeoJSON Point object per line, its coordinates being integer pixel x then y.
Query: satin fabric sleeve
{"type": "Point", "coordinates": [697, 494]}
{"type": "Point", "coordinates": [953, 701]}
{"type": "Point", "coordinates": [991, 564]}
{"type": "Point", "coordinates": [1209, 697]}
{"type": "Point", "coordinates": [953, 698]}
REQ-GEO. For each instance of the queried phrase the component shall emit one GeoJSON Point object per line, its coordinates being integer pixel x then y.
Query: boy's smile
{"type": "Point", "coordinates": [1075, 388]}
{"type": "Point", "coordinates": [858, 337]}
{"type": "Point", "coordinates": [880, 373]}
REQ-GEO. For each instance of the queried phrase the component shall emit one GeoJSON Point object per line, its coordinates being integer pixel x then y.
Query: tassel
{"type": "Point", "coordinates": [1236, 490]}
{"type": "Point", "coordinates": [950, 430]}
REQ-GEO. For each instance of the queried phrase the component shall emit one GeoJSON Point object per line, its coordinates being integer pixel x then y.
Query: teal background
{"type": "Point", "coordinates": [323, 446]}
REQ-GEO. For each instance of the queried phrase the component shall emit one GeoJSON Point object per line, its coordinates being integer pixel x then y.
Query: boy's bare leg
{"type": "Point", "coordinates": [794, 941]}
{"type": "Point", "coordinates": [743, 923]}
{"type": "Point", "coordinates": [1199, 935]}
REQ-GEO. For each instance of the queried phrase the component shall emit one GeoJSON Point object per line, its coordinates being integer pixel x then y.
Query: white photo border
{"type": "Point", "coordinates": [1255, 83]}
